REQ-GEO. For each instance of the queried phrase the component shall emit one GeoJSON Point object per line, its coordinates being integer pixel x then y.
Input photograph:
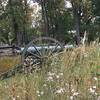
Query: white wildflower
{"type": "Point", "coordinates": [61, 74]}
{"type": "Point", "coordinates": [18, 96]}
{"type": "Point", "coordinates": [38, 95]}
{"type": "Point", "coordinates": [57, 76]}
{"type": "Point", "coordinates": [71, 97]}
{"type": "Point", "coordinates": [44, 85]}
{"type": "Point", "coordinates": [60, 91]}
{"type": "Point", "coordinates": [95, 93]}
{"type": "Point", "coordinates": [66, 84]}
{"type": "Point", "coordinates": [50, 78]}
{"type": "Point", "coordinates": [51, 74]}
{"type": "Point", "coordinates": [13, 98]}
{"type": "Point", "coordinates": [37, 92]}
{"type": "Point", "coordinates": [72, 90]}
{"type": "Point", "coordinates": [94, 87]}
{"type": "Point", "coordinates": [75, 94]}
{"type": "Point", "coordinates": [92, 90]}
{"type": "Point", "coordinates": [41, 92]}
{"type": "Point", "coordinates": [95, 78]}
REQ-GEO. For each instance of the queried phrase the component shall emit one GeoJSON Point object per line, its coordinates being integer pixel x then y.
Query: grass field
{"type": "Point", "coordinates": [7, 62]}
{"type": "Point", "coordinates": [75, 75]}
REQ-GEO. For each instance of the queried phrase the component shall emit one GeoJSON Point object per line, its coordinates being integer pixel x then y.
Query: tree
{"type": "Point", "coordinates": [17, 14]}
{"type": "Point", "coordinates": [49, 14]}
{"type": "Point", "coordinates": [82, 15]}
{"type": "Point", "coordinates": [18, 21]}
{"type": "Point", "coordinates": [96, 20]}
{"type": "Point", "coordinates": [4, 23]}
{"type": "Point", "coordinates": [57, 20]}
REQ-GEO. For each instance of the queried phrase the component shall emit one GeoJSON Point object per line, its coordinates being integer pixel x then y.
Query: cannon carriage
{"type": "Point", "coordinates": [38, 52]}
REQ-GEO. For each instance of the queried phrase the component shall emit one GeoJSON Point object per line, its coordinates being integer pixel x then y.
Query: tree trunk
{"type": "Point", "coordinates": [76, 14]}
{"type": "Point", "coordinates": [44, 16]}
{"type": "Point", "coordinates": [25, 36]}
{"type": "Point", "coordinates": [77, 26]}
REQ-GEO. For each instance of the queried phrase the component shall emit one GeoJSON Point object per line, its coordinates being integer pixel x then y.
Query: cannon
{"type": "Point", "coordinates": [35, 54]}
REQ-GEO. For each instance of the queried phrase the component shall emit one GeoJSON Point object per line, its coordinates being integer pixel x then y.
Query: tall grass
{"type": "Point", "coordinates": [7, 62]}
{"type": "Point", "coordinates": [72, 75]}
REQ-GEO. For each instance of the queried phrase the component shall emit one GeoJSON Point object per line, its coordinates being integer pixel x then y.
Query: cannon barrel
{"type": "Point", "coordinates": [44, 47]}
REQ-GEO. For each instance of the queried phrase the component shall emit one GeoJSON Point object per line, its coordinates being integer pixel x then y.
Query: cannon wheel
{"type": "Point", "coordinates": [40, 53]}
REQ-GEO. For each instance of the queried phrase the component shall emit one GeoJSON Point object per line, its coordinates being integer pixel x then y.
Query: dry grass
{"type": "Point", "coordinates": [7, 62]}
{"type": "Point", "coordinates": [75, 75]}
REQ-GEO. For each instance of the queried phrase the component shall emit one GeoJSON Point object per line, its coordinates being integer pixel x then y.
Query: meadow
{"type": "Point", "coordinates": [8, 62]}
{"type": "Point", "coordinates": [72, 75]}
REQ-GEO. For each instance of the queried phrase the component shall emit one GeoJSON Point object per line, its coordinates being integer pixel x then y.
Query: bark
{"type": "Point", "coordinates": [45, 16]}
{"type": "Point", "coordinates": [77, 26]}
{"type": "Point", "coordinates": [76, 13]}
{"type": "Point", "coordinates": [25, 36]}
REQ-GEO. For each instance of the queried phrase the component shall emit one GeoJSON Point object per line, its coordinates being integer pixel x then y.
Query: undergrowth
{"type": "Point", "coordinates": [7, 62]}
{"type": "Point", "coordinates": [72, 75]}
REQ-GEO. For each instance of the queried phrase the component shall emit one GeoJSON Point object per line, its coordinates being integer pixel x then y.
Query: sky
{"type": "Point", "coordinates": [68, 4]}
{"type": "Point", "coordinates": [32, 3]}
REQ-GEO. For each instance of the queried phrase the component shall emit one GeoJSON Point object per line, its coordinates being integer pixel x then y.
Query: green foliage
{"type": "Point", "coordinates": [57, 21]}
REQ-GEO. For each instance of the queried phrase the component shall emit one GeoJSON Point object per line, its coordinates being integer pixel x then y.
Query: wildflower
{"type": "Point", "coordinates": [38, 95]}
{"type": "Point", "coordinates": [95, 93]}
{"type": "Point", "coordinates": [95, 78]}
{"type": "Point", "coordinates": [18, 96]}
{"type": "Point", "coordinates": [37, 92]}
{"type": "Point", "coordinates": [66, 84]}
{"type": "Point", "coordinates": [92, 90]}
{"type": "Point", "coordinates": [51, 74]}
{"type": "Point", "coordinates": [60, 91]}
{"type": "Point", "coordinates": [44, 85]}
{"type": "Point", "coordinates": [61, 74]}
{"type": "Point", "coordinates": [75, 93]}
{"type": "Point", "coordinates": [94, 87]}
{"type": "Point", "coordinates": [50, 78]}
{"type": "Point", "coordinates": [13, 98]}
{"type": "Point", "coordinates": [71, 97]}
{"type": "Point", "coordinates": [57, 76]}
{"type": "Point", "coordinates": [41, 92]}
{"type": "Point", "coordinates": [72, 90]}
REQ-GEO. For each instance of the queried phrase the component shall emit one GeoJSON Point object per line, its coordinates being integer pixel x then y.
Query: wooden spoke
{"type": "Point", "coordinates": [41, 49]}
{"type": "Point", "coordinates": [33, 54]}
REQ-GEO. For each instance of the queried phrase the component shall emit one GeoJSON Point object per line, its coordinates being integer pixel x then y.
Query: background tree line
{"type": "Point", "coordinates": [20, 21]}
